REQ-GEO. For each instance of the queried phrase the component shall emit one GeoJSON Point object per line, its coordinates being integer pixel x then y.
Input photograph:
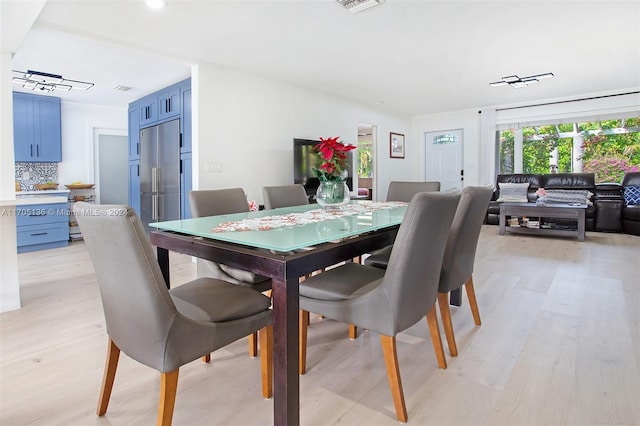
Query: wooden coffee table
{"type": "Point", "coordinates": [566, 211]}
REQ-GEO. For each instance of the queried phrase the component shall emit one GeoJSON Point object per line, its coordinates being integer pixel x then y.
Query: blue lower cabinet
{"type": "Point", "coordinates": [134, 185]}
{"type": "Point", "coordinates": [42, 226]}
{"type": "Point", "coordinates": [185, 185]}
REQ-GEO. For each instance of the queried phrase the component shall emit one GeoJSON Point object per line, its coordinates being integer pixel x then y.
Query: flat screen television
{"type": "Point", "coordinates": [305, 160]}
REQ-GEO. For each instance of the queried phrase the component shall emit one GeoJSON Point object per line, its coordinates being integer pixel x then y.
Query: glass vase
{"type": "Point", "coordinates": [333, 194]}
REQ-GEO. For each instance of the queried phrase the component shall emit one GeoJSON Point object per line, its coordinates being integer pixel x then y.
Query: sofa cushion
{"type": "Point", "coordinates": [632, 195]}
{"type": "Point", "coordinates": [569, 181]}
{"type": "Point", "coordinates": [567, 196]}
{"type": "Point", "coordinates": [513, 192]}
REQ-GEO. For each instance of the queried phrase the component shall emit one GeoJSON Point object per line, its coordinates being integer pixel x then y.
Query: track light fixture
{"type": "Point", "coordinates": [520, 82]}
{"type": "Point", "coordinates": [45, 82]}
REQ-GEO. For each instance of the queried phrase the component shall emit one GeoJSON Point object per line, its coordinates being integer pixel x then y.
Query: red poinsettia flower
{"type": "Point", "coordinates": [333, 158]}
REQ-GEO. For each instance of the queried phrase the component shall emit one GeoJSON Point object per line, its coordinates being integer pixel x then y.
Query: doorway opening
{"type": "Point", "coordinates": [111, 169]}
{"type": "Point", "coordinates": [366, 160]}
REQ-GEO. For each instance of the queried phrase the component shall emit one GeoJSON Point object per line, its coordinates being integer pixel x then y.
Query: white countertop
{"type": "Point", "coordinates": [47, 192]}
{"type": "Point", "coordinates": [26, 201]}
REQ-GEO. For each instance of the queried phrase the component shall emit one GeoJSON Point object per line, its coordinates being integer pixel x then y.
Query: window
{"type": "Point", "coordinates": [607, 148]}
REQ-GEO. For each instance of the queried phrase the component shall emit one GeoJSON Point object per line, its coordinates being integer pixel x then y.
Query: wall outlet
{"type": "Point", "coordinates": [214, 167]}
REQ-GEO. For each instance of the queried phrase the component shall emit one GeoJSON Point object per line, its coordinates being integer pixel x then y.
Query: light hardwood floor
{"type": "Point", "coordinates": [559, 345]}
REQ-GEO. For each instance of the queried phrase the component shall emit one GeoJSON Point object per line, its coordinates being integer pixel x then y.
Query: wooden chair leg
{"type": "Point", "coordinates": [393, 374]}
{"type": "Point", "coordinates": [110, 366]}
{"type": "Point", "coordinates": [304, 323]}
{"type": "Point", "coordinates": [266, 360]}
{"type": "Point", "coordinates": [253, 345]}
{"type": "Point", "coordinates": [206, 359]}
{"type": "Point", "coordinates": [168, 389]}
{"type": "Point", "coordinates": [436, 340]}
{"type": "Point", "coordinates": [445, 313]}
{"type": "Point", "coordinates": [473, 303]}
{"type": "Point", "coordinates": [353, 332]}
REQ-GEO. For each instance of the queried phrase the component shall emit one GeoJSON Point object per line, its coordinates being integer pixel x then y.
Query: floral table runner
{"type": "Point", "coordinates": [267, 223]}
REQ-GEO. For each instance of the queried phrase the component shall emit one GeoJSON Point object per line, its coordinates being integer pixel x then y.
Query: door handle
{"type": "Point", "coordinates": [154, 179]}
{"type": "Point", "coordinates": [158, 179]}
{"type": "Point", "coordinates": [154, 207]}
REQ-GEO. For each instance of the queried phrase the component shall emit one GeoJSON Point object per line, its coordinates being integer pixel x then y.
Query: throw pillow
{"type": "Point", "coordinates": [513, 192]}
{"type": "Point", "coordinates": [632, 195]}
{"type": "Point", "coordinates": [566, 196]}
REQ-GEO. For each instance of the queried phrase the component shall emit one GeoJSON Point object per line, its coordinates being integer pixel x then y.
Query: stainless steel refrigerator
{"type": "Point", "coordinates": [160, 173]}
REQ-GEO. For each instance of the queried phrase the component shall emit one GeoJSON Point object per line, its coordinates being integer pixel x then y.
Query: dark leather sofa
{"type": "Point", "coordinates": [631, 213]}
{"type": "Point", "coordinates": [554, 181]}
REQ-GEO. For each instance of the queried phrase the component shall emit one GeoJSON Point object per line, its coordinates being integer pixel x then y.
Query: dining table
{"type": "Point", "coordinates": [283, 244]}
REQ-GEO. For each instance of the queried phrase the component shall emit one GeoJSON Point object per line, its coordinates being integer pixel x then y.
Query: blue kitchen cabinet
{"type": "Point", "coordinates": [169, 102]}
{"type": "Point", "coordinates": [37, 128]}
{"type": "Point", "coordinates": [148, 111]}
{"type": "Point", "coordinates": [185, 123]}
{"type": "Point", "coordinates": [185, 184]}
{"type": "Point", "coordinates": [42, 226]}
{"type": "Point", "coordinates": [134, 185]}
{"type": "Point", "coordinates": [134, 132]}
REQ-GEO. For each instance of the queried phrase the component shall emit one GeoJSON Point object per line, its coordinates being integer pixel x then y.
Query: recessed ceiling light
{"type": "Point", "coordinates": [355, 6]}
{"type": "Point", "coordinates": [156, 4]}
{"type": "Point", "coordinates": [520, 82]}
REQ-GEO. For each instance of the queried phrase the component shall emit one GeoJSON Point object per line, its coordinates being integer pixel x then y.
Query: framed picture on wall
{"type": "Point", "coordinates": [396, 145]}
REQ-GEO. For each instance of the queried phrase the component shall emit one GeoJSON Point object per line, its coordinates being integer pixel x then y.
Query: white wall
{"type": "Point", "coordinates": [9, 285]}
{"type": "Point", "coordinates": [78, 124]}
{"type": "Point", "coordinates": [247, 124]}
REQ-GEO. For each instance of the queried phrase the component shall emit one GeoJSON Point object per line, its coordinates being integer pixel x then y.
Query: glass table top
{"type": "Point", "coordinates": [301, 235]}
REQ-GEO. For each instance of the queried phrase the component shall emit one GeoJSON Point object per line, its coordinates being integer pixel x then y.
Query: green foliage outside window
{"type": "Point", "coordinates": [610, 156]}
{"type": "Point", "coordinates": [611, 148]}
{"type": "Point", "coordinates": [365, 161]}
{"type": "Point", "coordinates": [505, 147]}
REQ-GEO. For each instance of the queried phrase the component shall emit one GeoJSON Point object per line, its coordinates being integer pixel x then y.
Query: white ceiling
{"type": "Point", "coordinates": [416, 57]}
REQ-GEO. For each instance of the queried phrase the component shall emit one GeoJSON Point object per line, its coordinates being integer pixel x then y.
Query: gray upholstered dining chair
{"type": "Point", "coordinates": [392, 300]}
{"type": "Point", "coordinates": [284, 196]}
{"type": "Point", "coordinates": [399, 191]}
{"type": "Point", "coordinates": [404, 190]}
{"type": "Point", "coordinates": [214, 202]}
{"type": "Point", "coordinates": [160, 328]}
{"type": "Point", "coordinates": [460, 254]}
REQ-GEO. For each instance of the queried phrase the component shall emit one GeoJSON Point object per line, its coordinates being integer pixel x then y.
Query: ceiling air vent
{"type": "Point", "coordinates": [122, 88]}
{"type": "Point", "coordinates": [355, 6]}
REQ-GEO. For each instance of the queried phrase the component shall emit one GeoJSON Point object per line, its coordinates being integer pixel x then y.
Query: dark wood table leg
{"type": "Point", "coordinates": [286, 383]}
{"type": "Point", "coordinates": [163, 261]}
{"type": "Point", "coordinates": [455, 297]}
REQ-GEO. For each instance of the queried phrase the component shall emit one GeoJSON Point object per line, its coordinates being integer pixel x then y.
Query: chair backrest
{"type": "Point", "coordinates": [213, 202]}
{"type": "Point", "coordinates": [404, 191]}
{"type": "Point", "coordinates": [412, 276]}
{"type": "Point", "coordinates": [460, 254]}
{"type": "Point", "coordinates": [284, 196]}
{"type": "Point", "coordinates": [138, 309]}
{"type": "Point", "coordinates": [631, 178]}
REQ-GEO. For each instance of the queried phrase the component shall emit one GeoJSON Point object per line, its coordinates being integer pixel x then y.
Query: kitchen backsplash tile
{"type": "Point", "coordinates": [29, 174]}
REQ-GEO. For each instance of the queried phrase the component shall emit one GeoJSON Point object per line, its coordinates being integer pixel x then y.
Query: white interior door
{"type": "Point", "coordinates": [443, 158]}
